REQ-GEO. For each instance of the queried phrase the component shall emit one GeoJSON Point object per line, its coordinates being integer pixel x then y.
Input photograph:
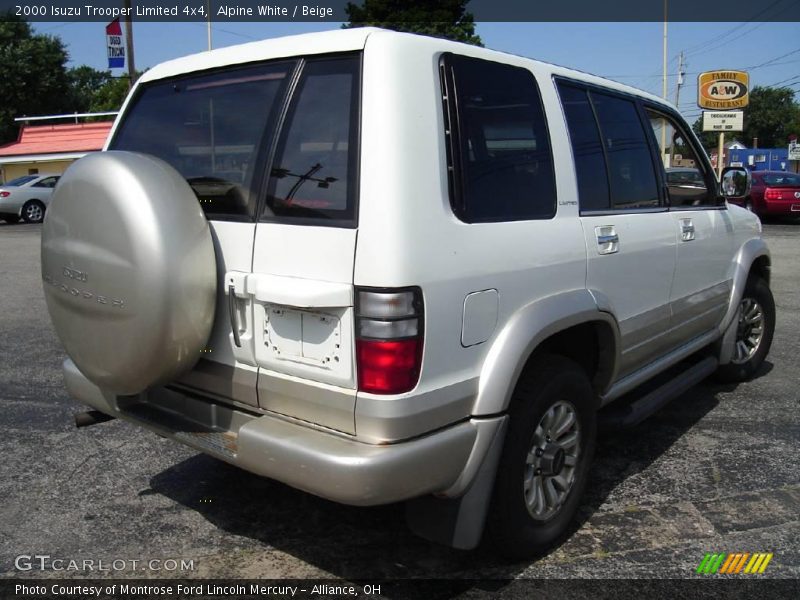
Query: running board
{"type": "Point", "coordinates": [633, 412]}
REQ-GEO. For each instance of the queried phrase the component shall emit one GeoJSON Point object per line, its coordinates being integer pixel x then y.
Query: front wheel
{"type": "Point", "coordinates": [754, 331]}
{"type": "Point", "coordinates": [546, 458]}
{"type": "Point", "coordinates": [33, 211]}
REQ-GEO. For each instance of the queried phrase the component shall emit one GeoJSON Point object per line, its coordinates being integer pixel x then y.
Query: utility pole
{"type": "Point", "coordinates": [208, 24]}
{"type": "Point", "coordinates": [664, 90]}
{"type": "Point", "coordinates": [129, 44]}
{"type": "Point", "coordinates": [677, 104]}
{"type": "Point", "coordinates": [680, 81]}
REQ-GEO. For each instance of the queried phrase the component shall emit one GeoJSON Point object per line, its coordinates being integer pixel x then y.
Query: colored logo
{"type": "Point", "coordinates": [723, 90]}
{"type": "Point", "coordinates": [743, 562]}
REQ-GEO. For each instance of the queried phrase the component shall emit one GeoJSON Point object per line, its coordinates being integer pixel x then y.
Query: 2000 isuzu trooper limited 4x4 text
{"type": "Point", "coordinates": [381, 267]}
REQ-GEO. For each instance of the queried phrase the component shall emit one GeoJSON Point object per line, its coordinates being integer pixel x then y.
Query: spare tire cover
{"type": "Point", "coordinates": [129, 271]}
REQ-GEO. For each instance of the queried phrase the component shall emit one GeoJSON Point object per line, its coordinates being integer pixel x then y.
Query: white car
{"type": "Point", "coordinates": [383, 267]}
{"type": "Point", "coordinates": [26, 197]}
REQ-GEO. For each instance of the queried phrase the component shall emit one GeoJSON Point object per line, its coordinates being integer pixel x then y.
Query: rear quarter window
{"type": "Point", "coordinates": [499, 148]}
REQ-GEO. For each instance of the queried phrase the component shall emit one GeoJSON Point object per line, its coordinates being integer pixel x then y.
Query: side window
{"type": "Point", "coordinates": [686, 176]}
{"type": "Point", "coordinates": [500, 149]}
{"type": "Point", "coordinates": [47, 182]}
{"type": "Point", "coordinates": [314, 171]}
{"type": "Point", "coordinates": [587, 148]}
{"type": "Point", "coordinates": [632, 176]}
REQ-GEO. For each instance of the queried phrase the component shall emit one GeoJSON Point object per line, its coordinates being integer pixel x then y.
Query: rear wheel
{"type": "Point", "coordinates": [33, 211]}
{"type": "Point", "coordinates": [754, 330]}
{"type": "Point", "coordinates": [546, 458]}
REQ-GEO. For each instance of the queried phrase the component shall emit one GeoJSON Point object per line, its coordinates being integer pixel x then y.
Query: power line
{"type": "Point", "coordinates": [221, 30]}
{"type": "Point", "coordinates": [704, 46]}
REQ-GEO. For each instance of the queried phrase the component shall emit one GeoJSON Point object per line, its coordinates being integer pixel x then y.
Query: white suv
{"type": "Point", "coordinates": [382, 267]}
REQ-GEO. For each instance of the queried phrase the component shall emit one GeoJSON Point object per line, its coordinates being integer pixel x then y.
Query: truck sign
{"type": "Point", "coordinates": [723, 90]}
{"type": "Point", "coordinates": [114, 45]}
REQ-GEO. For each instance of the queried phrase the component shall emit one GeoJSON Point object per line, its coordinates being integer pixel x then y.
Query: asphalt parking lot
{"type": "Point", "coordinates": [715, 471]}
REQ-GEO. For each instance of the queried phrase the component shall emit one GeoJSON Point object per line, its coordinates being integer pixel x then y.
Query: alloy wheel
{"type": "Point", "coordinates": [552, 461]}
{"type": "Point", "coordinates": [750, 330]}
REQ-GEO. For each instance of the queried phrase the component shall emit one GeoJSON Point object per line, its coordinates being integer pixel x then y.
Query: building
{"type": "Point", "coordinates": [50, 148]}
{"type": "Point", "coordinates": [762, 159]}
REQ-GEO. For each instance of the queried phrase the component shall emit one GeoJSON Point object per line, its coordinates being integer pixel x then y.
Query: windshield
{"type": "Point", "coordinates": [212, 129]}
{"type": "Point", "coordinates": [782, 179]}
{"type": "Point", "coordinates": [22, 180]}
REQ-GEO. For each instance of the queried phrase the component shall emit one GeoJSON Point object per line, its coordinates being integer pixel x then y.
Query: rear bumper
{"type": "Point", "coordinates": [781, 207]}
{"type": "Point", "coordinates": [324, 463]}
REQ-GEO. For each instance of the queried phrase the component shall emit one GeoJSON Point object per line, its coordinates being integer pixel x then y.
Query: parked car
{"type": "Point", "coordinates": [383, 267]}
{"type": "Point", "coordinates": [773, 193]}
{"type": "Point", "coordinates": [26, 197]}
{"type": "Point", "coordinates": [686, 184]}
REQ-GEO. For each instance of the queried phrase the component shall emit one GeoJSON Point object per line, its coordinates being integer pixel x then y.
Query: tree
{"type": "Point", "coordinates": [772, 116]}
{"type": "Point", "coordinates": [438, 18]}
{"type": "Point", "coordinates": [85, 82]}
{"type": "Point", "coordinates": [111, 95]}
{"type": "Point", "coordinates": [33, 68]}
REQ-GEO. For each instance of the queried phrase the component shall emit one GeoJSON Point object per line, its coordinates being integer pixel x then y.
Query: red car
{"type": "Point", "coordinates": [774, 193]}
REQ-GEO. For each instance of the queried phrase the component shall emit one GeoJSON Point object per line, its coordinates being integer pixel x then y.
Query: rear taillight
{"type": "Point", "coordinates": [389, 335]}
{"type": "Point", "coordinates": [4, 194]}
{"type": "Point", "coordinates": [773, 194]}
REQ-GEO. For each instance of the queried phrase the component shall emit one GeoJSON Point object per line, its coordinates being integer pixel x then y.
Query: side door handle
{"type": "Point", "coordinates": [687, 230]}
{"type": "Point", "coordinates": [607, 239]}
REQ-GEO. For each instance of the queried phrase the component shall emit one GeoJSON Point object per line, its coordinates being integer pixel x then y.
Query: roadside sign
{"type": "Point", "coordinates": [114, 42]}
{"type": "Point", "coordinates": [723, 90]}
{"type": "Point", "coordinates": [723, 121]}
{"type": "Point", "coordinates": [794, 151]}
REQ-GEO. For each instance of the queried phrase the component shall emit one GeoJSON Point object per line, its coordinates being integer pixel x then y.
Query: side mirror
{"type": "Point", "coordinates": [735, 183]}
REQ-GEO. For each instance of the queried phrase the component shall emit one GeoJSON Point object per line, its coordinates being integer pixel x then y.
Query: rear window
{"type": "Point", "coordinates": [314, 171]}
{"type": "Point", "coordinates": [218, 130]}
{"type": "Point", "coordinates": [210, 128]}
{"type": "Point", "coordinates": [787, 179]}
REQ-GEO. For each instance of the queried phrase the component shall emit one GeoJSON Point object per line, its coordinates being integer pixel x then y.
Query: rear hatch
{"type": "Point", "coordinates": [271, 151]}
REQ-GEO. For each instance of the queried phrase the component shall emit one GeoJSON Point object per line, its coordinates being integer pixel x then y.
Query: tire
{"type": "Point", "coordinates": [550, 386]}
{"type": "Point", "coordinates": [33, 211]}
{"type": "Point", "coordinates": [753, 339]}
{"type": "Point", "coordinates": [11, 219]}
{"type": "Point", "coordinates": [129, 271]}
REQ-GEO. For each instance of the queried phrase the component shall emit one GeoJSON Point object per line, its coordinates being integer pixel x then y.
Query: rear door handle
{"type": "Point", "coordinates": [232, 314]}
{"type": "Point", "coordinates": [607, 239]}
{"type": "Point", "coordinates": [687, 230]}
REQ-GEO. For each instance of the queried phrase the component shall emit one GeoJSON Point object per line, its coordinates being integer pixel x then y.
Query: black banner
{"type": "Point", "coordinates": [334, 10]}
{"type": "Point", "coordinates": [427, 589]}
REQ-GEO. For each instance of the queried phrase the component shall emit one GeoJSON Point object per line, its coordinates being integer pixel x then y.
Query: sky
{"type": "Point", "coordinates": [627, 52]}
